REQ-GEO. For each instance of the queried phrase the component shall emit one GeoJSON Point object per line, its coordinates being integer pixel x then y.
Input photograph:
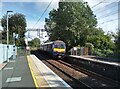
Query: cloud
{"type": "Point", "coordinates": [40, 25]}
{"type": "Point", "coordinates": [110, 26]}
{"type": "Point", "coordinates": [1, 5]}
{"type": "Point", "coordinates": [41, 6]}
{"type": "Point", "coordinates": [105, 12]}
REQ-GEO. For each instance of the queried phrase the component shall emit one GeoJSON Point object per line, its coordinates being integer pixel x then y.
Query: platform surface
{"type": "Point", "coordinates": [17, 74]}
{"type": "Point", "coordinates": [44, 76]}
{"type": "Point", "coordinates": [29, 72]}
{"type": "Point", "coordinates": [95, 60]}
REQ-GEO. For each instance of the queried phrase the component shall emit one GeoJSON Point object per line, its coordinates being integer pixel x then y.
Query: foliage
{"type": "Point", "coordinates": [101, 41]}
{"type": "Point", "coordinates": [35, 42]}
{"type": "Point", "coordinates": [17, 24]}
{"type": "Point", "coordinates": [70, 23]}
{"type": "Point", "coordinates": [75, 24]}
{"type": "Point", "coordinates": [108, 52]}
{"type": "Point", "coordinates": [117, 44]}
{"type": "Point", "coordinates": [98, 52]}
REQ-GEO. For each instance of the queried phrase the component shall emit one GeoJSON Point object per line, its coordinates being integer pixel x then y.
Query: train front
{"type": "Point", "coordinates": [59, 49]}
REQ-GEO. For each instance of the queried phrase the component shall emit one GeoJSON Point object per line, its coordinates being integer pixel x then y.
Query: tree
{"type": "Point", "coordinates": [35, 42]}
{"type": "Point", "coordinates": [17, 24]}
{"type": "Point", "coordinates": [117, 43]}
{"type": "Point", "coordinates": [71, 23]}
{"type": "Point", "coordinates": [101, 41]}
{"type": "Point", "coordinates": [75, 24]}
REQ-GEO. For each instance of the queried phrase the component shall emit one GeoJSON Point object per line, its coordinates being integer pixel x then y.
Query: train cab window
{"type": "Point", "coordinates": [62, 46]}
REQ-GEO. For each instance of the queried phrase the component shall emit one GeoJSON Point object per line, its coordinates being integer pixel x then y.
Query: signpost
{"type": "Point", "coordinates": [15, 36]}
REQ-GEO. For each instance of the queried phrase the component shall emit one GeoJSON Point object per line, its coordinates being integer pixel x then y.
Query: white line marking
{"type": "Point", "coordinates": [12, 61]}
{"type": "Point", "coordinates": [53, 79]}
{"type": "Point", "coordinates": [8, 68]}
{"type": "Point", "coordinates": [13, 79]}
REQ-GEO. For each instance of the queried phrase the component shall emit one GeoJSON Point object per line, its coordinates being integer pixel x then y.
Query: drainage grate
{"type": "Point", "coordinates": [8, 68]}
{"type": "Point", "coordinates": [13, 79]}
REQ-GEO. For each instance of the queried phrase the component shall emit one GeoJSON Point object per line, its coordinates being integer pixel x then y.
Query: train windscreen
{"type": "Point", "coordinates": [61, 46]}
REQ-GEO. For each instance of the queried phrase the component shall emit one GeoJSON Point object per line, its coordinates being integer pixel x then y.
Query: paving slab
{"type": "Point", "coordinates": [17, 74]}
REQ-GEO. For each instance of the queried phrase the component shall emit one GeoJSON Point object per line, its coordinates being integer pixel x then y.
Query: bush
{"type": "Point", "coordinates": [108, 52]}
{"type": "Point", "coordinates": [98, 52]}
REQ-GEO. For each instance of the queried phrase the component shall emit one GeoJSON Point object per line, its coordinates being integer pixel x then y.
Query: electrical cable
{"type": "Point", "coordinates": [43, 13]}
{"type": "Point", "coordinates": [97, 4]}
{"type": "Point", "coordinates": [108, 21]}
{"type": "Point", "coordinates": [107, 15]}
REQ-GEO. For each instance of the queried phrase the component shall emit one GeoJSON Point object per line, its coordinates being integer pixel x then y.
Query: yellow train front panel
{"type": "Point", "coordinates": [59, 50]}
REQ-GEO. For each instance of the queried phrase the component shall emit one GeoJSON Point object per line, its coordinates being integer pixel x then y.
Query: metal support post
{"type": "Point", "coordinates": [7, 36]}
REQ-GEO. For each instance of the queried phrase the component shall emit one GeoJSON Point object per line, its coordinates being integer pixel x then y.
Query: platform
{"type": "Point", "coordinates": [44, 76]}
{"type": "Point", "coordinates": [16, 74]}
{"type": "Point", "coordinates": [95, 60]}
{"type": "Point", "coordinates": [29, 72]}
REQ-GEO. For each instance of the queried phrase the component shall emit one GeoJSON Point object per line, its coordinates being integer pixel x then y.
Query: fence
{"type": "Point", "coordinates": [3, 52]}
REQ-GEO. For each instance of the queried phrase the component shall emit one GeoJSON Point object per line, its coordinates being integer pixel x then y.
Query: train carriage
{"type": "Point", "coordinates": [56, 48]}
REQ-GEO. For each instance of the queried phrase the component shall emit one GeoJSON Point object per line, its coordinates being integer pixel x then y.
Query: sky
{"type": "Point", "coordinates": [106, 12]}
{"type": "Point", "coordinates": [32, 11]}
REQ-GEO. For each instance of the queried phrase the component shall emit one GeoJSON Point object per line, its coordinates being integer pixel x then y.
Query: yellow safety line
{"type": "Point", "coordinates": [34, 79]}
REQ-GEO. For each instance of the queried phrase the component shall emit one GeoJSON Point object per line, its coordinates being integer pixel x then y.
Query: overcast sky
{"type": "Point", "coordinates": [105, 10]}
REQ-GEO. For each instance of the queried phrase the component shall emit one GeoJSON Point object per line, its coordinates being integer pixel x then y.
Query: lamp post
{"type": "Point", "coordinates": [7, 36]}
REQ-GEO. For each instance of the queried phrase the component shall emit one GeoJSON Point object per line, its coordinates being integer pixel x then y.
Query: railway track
{"type": "Point", "coordinates": [73, 82]}
{"type": "Point", "coordinates": [78, 77]}
{"type": "Point", "coordinates": [107, 70]}
{"type": "Point", "coordinates": [90, 73]}
{"type": "Point", "coordinates": [91, 82]}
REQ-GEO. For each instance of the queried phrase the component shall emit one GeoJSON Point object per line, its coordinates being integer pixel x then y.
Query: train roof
{"type": "Point", "coordinates": [57, 41]}
{"type": "Point", "coordinates": [47, 43]}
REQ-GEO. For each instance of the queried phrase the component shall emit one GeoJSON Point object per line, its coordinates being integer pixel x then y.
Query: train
{"type": "Point", "coordinates": [56, 48]}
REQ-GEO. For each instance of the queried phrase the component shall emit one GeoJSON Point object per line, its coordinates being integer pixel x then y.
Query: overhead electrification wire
{"type": "Point", "coordinates": [106, 5]}
{"type": "Point", "coordinates": [98, 4]}
{"type": "Point", "coordinates": [109, 21]}
{"type": "Point", "coordinates": [99, 11]}
{"type": "Point", "coordinates": [42, 14]}
{"type": "Point", "coordinates": [107, 15]}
